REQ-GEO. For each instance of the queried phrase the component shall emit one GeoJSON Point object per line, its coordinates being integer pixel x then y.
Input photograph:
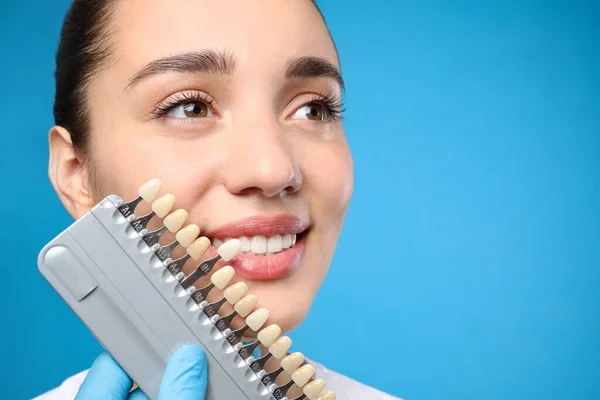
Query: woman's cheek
{"type": "Point", "coordinates": [332, 177]}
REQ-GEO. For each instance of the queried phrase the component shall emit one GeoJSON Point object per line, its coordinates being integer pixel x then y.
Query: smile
{"type": "Point", "coordinates": [260, 245]}
{"type": "Point", "coordinates": [272, 247]}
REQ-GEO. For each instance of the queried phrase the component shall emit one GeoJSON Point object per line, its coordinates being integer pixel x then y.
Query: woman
{"type": "Point", "coordinates": [237, 108]}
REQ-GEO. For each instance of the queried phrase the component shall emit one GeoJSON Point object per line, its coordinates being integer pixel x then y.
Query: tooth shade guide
{"type": "Point", "coordinates": [203, 269]}
{"type": "Point", "coordinates": [175, 220]}
{"type": "Point", "coordinates": [303, 374]}
{"type": "Point", "coordinates": [245, 305]}
{"type": "Point", "coordinates": [327, 396]}
{"type": "Point", "coordinates": [152, 238]}
{"type": "Point", "coordinates": [235, 292]}
{"type": "Point", "coordinates": [259, 364]}
{"type": "Point", "coordinates": [140, 223]}
{"type": "Point", "coordinates": [246, 351]}
{"type": "Point", "coordinates": [280, 347]}
{"type": "Point", "coordinates": [314, 388]}
{"type": "Point", "coordinates": [216, 305]}
{"type": "Point", "coordinates": [273, 244]}
{"type": "Point", "coordinates": [187, 235]}
{"type": "Point", "coordinates": [213, 300]}
{"type": "Point", "coordinates": [257, 319]}
{"type": "Point", "coordinates": [281, 391]}
{"type": "Point", "coordinates": [229, 249]}
{"type": "Point", "coordinates": [163, 205]}
{"type": "Point", "coordinates": [292, 362]}
{"type": "Point", "coordinates": [222, 277]}
{"type": "Point", "coordinates": [149, 190]}
{"type": "Point", "coordinates": [200, 295]}
{"type": "Point", "coordinates": [176, 266]}
{"type": "Point", "coordinates": [224, 322]}
{"type": "Point", "coordinates": [164, 252]}
{"type": "Point", "coordinates": [211, 309]}
{"type": "Point", "coordinates": [268, 335]}
{"type": "Point", "coordinates": [198, 247]}
{"type": "Point", "coordinates": [270, 378]}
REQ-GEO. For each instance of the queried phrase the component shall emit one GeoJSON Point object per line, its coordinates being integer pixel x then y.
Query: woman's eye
{"type": "Point", "coordinates": [194, 109]}
{"type": "Point", "coordinates": [311, 111]}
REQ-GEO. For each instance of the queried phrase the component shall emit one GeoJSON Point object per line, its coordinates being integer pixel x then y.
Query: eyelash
{"type": "Point", "coordinates": [332, 103]}
{"type": "Point", "coordinates": [181, 99]}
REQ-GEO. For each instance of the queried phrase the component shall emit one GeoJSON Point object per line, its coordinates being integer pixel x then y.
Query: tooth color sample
{"type": "Point", "coordinates": [280, 347]}
{"type": "Point", "coordinates": [187, 235]}
{"type": "Point", "coordinates": [229, 249]}
{"type": "Point", "coordinates": [197, 249]}
{"type": "Point", "coordinates": [268, 335]}
{"type": "Point", "coordinates": [150, 189]}
{"type": "Point", "coordinates": [327, 396]}
{"type": "Point", "coordinates": [222, 277]}
{"type": "Point", "coordinates": [175, 220]}
{"type": "Point", "coordinates": [303, 374]}
{"type": "Point", "coordinates": [234, 293]}
{"type": "Point", "coordinates": [245, 305]}
{"type": "Point", "coordinates": [313, 389]}
{"type": "Point", "coordinates": [162, 206]}
{"type": "Point", "coordinates": [257, 319]}
{"type": "Point", "coordinates": [292, 362]}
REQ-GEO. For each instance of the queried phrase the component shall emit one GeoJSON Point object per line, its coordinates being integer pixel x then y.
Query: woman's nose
{"type": "Point", "coordinates": [261, 160]}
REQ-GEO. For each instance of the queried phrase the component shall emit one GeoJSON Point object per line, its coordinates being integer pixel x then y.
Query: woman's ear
{"type": "Point", "coordinates": [68, 174]}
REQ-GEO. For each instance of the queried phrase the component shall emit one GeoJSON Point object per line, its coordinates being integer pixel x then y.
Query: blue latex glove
{"type": "Point", "coordinates": [185, 378]}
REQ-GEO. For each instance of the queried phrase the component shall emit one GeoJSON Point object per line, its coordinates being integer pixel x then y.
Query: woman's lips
{"type": "Point", "coordinates": [265, 267]}
{"type": "Point", "coordinates": [275, 266]}
{"type": "Point", "coordinates": [260, 225]}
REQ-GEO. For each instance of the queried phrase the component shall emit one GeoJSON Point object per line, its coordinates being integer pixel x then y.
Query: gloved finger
{"type": "Point", "coordinates": [105, 380]}
{"type": "Point", "coordinates": [186, 376]}
{"type": "Point", "coordinates": [137, 394]}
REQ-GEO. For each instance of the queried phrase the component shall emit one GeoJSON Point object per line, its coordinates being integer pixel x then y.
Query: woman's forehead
{"type": "Point", "coordinates": [257, 36]}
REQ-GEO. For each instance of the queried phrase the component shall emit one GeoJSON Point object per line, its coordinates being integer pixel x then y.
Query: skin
{"type": "Point", "coordinates": [252, 156]}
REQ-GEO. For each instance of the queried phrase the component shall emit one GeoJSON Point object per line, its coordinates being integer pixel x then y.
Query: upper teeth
{"type": "Point", "coordinates": [263, 245]}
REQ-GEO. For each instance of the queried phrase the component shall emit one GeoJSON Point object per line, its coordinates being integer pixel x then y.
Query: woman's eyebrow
{"type": "Point", "coordinates": [313, 67]}
{"type": "Point", "coordinates": [218, 62]}
{"type": "Point", "coordinates": [205, 61]}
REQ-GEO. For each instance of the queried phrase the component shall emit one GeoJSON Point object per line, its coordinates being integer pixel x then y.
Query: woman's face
{"type": "Point", "coordinates": [233, 105]}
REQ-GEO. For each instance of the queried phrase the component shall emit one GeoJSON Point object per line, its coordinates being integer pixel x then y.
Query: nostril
{"type": "Point", "coordinates": [291, 189]}
{"type": "Point", "coordinates": [295, 183]}
{"type": "Point", "coordinates": [249, 191]}
{"type": "Point", "coordinates": [267, 170]}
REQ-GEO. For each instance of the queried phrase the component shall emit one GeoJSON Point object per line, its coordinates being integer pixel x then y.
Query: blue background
{"type": "Point", "coordinates": [469, 267]}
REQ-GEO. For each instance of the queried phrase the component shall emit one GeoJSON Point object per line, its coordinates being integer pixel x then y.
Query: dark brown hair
{"type": "Point", "coordinates": [83, 50]}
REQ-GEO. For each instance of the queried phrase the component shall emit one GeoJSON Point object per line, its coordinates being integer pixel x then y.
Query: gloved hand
{"type": "Point", "coordinates": [185, 378]}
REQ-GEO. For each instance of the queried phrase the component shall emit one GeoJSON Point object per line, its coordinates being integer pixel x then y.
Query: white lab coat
{"type": "Point", "coordinates": [344, 387]}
